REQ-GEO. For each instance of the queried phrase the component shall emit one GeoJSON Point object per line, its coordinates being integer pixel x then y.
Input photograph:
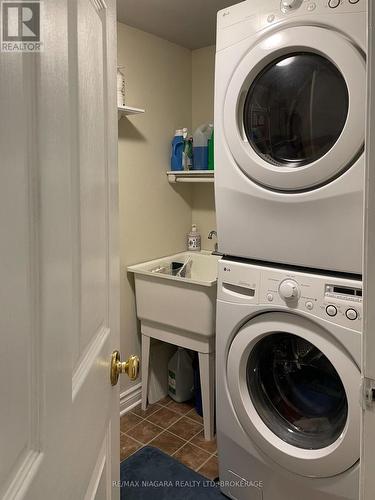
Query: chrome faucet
{"type": "Point", "coordinates": [211, 234]}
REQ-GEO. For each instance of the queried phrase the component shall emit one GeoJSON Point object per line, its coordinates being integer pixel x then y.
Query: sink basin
{"type": "Point", "coordinates": [203, 269]}
{"type": "Point", "coordinates": [184, 303]}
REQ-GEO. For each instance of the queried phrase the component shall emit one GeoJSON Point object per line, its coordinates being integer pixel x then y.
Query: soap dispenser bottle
{"type": "Point", "coordinates": [194, 239]}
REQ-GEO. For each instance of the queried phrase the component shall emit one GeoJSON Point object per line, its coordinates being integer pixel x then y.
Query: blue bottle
{"type": "Point", "coordinates": [177, 150]}
{"type": "Point", "coordinates": [200, 146]}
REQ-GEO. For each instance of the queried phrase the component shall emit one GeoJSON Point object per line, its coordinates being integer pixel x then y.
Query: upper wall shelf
{"type": "Point", "coordinates": [128, 110]}
{"type": "Point", "coordinates": [191, 176]}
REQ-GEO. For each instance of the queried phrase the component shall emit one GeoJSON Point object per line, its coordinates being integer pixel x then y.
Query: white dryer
{"type": "Point", "coordinates": [289, 131]}
{"type": "Point", "coordinates": [288, 383]}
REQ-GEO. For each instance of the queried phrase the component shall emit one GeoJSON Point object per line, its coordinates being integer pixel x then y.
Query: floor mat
{"type": "Point", "coordinates": [151, 474]}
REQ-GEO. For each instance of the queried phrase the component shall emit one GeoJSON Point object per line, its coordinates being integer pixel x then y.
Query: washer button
{"type": "Point", "coordinates": [331, 311]}
{"type": "Point", "coordinates": [311, 7]}
{"type": "Point", "coordinates": [351, 314]}
{"type": "Point", "coordinates": [269, 297]}
{"type": "Point", "coordinates": [309, 305]}
{"type": "Point", "coordinates": [334, 3]}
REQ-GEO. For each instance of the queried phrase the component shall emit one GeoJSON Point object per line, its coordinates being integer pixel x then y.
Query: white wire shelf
{"type": "Point", "coordinates": [128, 110]}
{"type": "Point", "coordinates": [177, 176]}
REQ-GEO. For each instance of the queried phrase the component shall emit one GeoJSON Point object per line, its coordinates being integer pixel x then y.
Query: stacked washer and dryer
{"type": "Point", "coordinates": [290, 98]}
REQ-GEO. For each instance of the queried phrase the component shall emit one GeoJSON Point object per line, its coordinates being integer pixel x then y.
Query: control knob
{"type": "Point", "coordinates": [351, 314]}
{"type": "Point", "coordinates": [288, 5]}
{"type": "Point", "coordinates": [331, 310]}
{"type": "Point", "coordinates": [289, 290]}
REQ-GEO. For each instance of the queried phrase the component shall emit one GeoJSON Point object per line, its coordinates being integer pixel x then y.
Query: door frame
{"type": "Point", "coordinates": [367, 476]}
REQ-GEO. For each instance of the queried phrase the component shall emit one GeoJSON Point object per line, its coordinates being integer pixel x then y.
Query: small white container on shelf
{"type": "Point", "coordinates": [120, 87]}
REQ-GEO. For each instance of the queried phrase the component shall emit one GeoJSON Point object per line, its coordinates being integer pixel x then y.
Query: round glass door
{"type": "Point", "coordinates": [297, 391]}
{"type": "Point", "coordinates": [294, 390]}
{"type": "Point", "coordinates": [296, 109]}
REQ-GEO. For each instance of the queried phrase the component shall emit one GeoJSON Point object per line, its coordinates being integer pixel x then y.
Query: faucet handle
{"type": "Point", "coordinates": [211, 234]}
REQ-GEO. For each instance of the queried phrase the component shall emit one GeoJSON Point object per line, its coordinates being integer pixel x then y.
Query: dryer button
{"type": "Point", "coordinates": [331, 311]}
{"type": "Point", "coordinates": [351, 314]}
{"type": "Point", "coordinates": [334, 3]}
{"type": "Point", "coordinates": [269, 297]}
{"type": "Point", "coordinates": [309, 305]}
{"type": "Point", "coordinates": [288, 5]}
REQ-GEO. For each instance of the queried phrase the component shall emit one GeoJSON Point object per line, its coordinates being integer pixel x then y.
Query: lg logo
{"type": "Point", "coordinates": [20, 23]}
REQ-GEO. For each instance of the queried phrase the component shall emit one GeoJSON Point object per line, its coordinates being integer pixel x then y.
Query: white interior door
{"type": "Point", "coordinates": [59, 416]}
{"type": "Point", "coordinates": [368, 345]}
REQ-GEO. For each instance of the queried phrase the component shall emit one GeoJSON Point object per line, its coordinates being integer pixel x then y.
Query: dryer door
{"type": "Point", "coordinates": [294, 111]}
{"type": "Point", "coordinates": [295, 391]}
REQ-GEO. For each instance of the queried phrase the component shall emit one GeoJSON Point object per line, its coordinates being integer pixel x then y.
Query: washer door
{"type": "Point", "coordinates": [295, 393]}
{"type": "Point", "coordinates": [293, 112]}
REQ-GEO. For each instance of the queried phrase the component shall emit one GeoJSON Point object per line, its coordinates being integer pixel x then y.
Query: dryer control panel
{"type": "Point", "coordinates": [333, 298]}
{"type": "Point", "coordinates": [246, 19]}
{"type": "Point", "coordinates": [288, 6]}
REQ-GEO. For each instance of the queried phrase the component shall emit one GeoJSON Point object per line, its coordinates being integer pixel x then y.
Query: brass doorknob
{"type": "Point", "coordinates": [130, 367]}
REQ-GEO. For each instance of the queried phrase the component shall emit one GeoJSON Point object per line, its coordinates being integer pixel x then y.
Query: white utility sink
{"type": "Point", "coordinates": [187, 304]}
{"type": "Point", "coordinates": [180, 310]}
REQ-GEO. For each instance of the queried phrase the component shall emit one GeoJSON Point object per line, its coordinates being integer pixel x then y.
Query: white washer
{"type": "Point", "coordinates": [288, 383]}
{"type": "Point", "coordinates": [290, 98]}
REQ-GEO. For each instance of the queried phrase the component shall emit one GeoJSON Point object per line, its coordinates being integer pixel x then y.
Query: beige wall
{"type": "Point", "coordinates": [154, 215]}
{"type": "Point", "coordinates": [203, 212]}
{"type": "Point", "coordinates": [203, 77]}
{"type": "Point", "coordinates": [176, 87]}
{"type": "Point", "coordinates": [203, 80]}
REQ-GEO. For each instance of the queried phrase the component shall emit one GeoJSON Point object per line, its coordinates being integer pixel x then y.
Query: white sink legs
{"type": "Point", "coordinates": [207, 375]}
{"type": "Point", "coordinates": [180, 311]}
{"type": "Point", "coordinates": [145, 369]}
{"type": "Point", "coordinates": [205, 346]}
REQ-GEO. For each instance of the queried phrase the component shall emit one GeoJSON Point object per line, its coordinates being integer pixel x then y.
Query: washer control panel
{"type": "Point", "coordinates": [335, 299]}
{"type": "Point", "coordinates": [343, 298]}
{"type": "Point", "coordinates": [333, 4]}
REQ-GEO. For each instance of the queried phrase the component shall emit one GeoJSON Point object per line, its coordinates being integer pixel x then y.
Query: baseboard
{"type": "Point", "coordinates": [130, 398]}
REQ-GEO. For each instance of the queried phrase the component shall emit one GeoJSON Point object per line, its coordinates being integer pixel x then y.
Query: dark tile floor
{"type": "Point", "coordinates": [174, 428]}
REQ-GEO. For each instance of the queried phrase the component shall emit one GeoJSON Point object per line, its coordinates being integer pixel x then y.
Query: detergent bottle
{"type": "Point", "coordinates": [200, 146]}
{"type": "Point", "coordinates": [181, 376]}
{"type": "Point", "coordinates": [178, 144]}
{"type": "Point", "coordinates": [211, 162]}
